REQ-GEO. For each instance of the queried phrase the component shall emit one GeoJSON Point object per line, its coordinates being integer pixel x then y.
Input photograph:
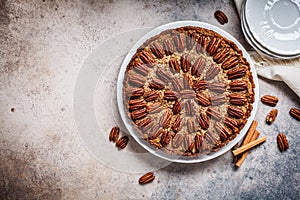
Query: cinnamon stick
{"type": "Point", "coordinates": [249, 146]}
{"type": "Point", "coordinates": [248, 136]}
{"type": "Point", "coordinates": [250, 133]}
{"type": "Point", "coordinates": [241, 160]}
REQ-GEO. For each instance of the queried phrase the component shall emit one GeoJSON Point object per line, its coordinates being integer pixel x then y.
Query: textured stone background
{"type": "Point", "coordinates": [43, 46]}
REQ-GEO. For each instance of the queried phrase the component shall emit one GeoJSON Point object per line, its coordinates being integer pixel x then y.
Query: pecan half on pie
{"type": "Point", "coordinates": [188, 91]}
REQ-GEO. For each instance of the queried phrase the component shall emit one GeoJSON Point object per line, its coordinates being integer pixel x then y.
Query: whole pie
{"type": "Point", "coordinates": [188, 91]}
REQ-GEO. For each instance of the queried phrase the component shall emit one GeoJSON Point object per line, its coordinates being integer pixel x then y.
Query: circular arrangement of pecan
{"type": "Point", "coordinates": [188, 91]}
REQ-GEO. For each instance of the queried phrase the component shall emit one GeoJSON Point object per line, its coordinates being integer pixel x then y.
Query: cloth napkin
{"type": "Point", "coordinates": [276, 69]}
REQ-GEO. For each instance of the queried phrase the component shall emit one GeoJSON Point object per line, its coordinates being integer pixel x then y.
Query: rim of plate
{"type": "Point", "coordinates": [258, 46]}
{"type": "Point", "coordinates": [265, 29]}
{"type": "Point", "coordinates": [128, 122]}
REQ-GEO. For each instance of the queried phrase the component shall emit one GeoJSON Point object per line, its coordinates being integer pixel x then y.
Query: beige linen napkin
{"type": "Point", "coordinates": [276, 69]}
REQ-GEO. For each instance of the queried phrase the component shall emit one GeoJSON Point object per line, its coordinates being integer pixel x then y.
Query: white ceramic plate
{"type": "Point", "coordinates": [275, 24]}
{"type": "Point", "coordinates": [127, 121]}
{"type": "Point", "coordinates": [250, 40]}
{"type": "Point", "coordinates": [256, 45]}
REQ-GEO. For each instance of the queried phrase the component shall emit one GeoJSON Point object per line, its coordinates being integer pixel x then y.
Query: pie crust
{"type": "Point", "coordinates": [188, 91]}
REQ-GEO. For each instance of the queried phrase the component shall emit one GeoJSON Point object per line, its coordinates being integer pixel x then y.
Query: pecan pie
{"type": "Point", "coordinates": [188, 91]}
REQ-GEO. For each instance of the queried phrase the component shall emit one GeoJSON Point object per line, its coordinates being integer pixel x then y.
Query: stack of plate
{"type": "Point", "coordinates": [272, 27]}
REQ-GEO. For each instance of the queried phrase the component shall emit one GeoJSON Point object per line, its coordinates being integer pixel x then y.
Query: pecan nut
{"type": "Point", "coordinates": [213, 113]}
{"type": "Point", "coordinates": [145, 122]}
{"type": "Point", "coordinates": [191, 125]}
{"type": "Point", "coordinates": [168, 47]}
{"type": "Point", "coordinates": [189, 108]}
{"type": "Point", "coordinates": [177, 107]}
{"type": "Point", "coordinates": [178, 123]}
{"type": "Point", "coordinates": [202, 44]}
{"type": "Point", "coordinates": [223, 131]}
{"type": "Point", "coordinates": [146, 178]}
{"type": "Point", "coordinates": [218, 99]}
{"type": "Point", "coordinates": [282, 142]}
{"type": "Point", "coordinates": [154, 107]}
{"type": "Point", "coordinates": [163, 75]}
{"type": "Point", "coordinates": [185, 62]}
{"type": "Point", "coordinates": [188, 143]}
{"type": "Point", "coordinates": [230, 62]}
{"type": "Point", "coordinates": [170, 95]}
{"type": "Point", "coordinates": [213, 46]}
{"type": "Point", "coordinates": [187, 94]}
{"type": "Point", "coordinates": [295, 113]}
{"type": "Point", "coordinates": [231, 123]}
{"type": "Point", "coordinates": [177, 84]}
{"type": "Point", "coordinates": [237, 99]}
{"type": "Point", "coordinates": [187, 81]}
{"type": "Point", "coordinates": [132, 102]}
{"type": "Point", "coordinates": [147, 57]}
{"type": "Point", "coordinates": [269, 100]}
{"type": "Point", "coordinates": [202, 100]}
{"type": "Point", "coordinates": [156, 84]}
{"type": "Point", "coordinates": [271, 116]}
{"type": "Point", "coordinates": [221, 55]}
{"type": "Point", "coordinates": [174, 66]}
{"type": "Point", "coordinates": [114, 134]}
{"type": "Point", "coordinates": [191, 40]}
{"type": "Point", "coordinates": [157, 50]}
{"type": "Point", "coordinates": [165, 119]}
{"type": "Point", "coordinates": [136, 104]}
{"type": "Point", "coordinates": [122, 142]}
{"type": "Point", "coordinates": [151, 95]}
{"type": "Point", "coordinates": [238, 85]}
{"type": "Point", "coordinates": [177, 140]}
{"type": "Point", "coordinates": [212, 72]}
{"type": "Point", "coordinates": [141, 68]}
{"type": "Point", "coordinates": [137, 80]}
{"type": "Point", "coordinates": [205, 145]}
{"type": "Point", "coordinates": [165, 138]}
{"type": "Point", "coordinates": [179, 41]}
{"type": "Point", "coordinates": [218, 87]}
{"type": "Point", "coordinates": [235, 112]}
{"type": "Point", "coordinates": [221, 17]}
{"type": "Point", "coordinates": [198, 67]}
{"type": "Point", "coordinates": [198, 142]}
{"type": "Point", "coordinates": [236, 72]}
{"type": "Point", "coordinates": [155, 131]}
{"type": "Point", "coordinates": [212, 138]}
{"type": "Point", "coordinates": [200, 85]}
{"type": "Point", "coordinates": [203, 121]}
{"type": "Point", "coordinates": [139, 114]}
{"type": "Point", "coordinates": [135, 92]}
